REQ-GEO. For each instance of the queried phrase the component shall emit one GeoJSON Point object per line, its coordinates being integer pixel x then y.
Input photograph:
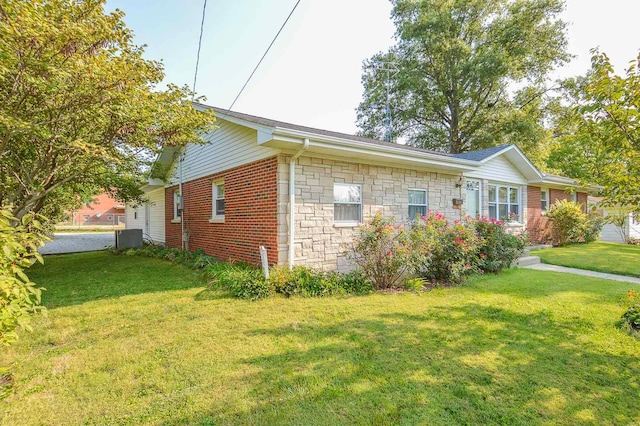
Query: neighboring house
{"type": "Point", "coordinates": [612, 233]}
{"type": "Point", "coordinates": [301, 192]}
{"type": "Point", "coordinates": [102, 210]}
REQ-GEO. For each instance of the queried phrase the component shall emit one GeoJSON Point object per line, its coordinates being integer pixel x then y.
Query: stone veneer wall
{"type": "Point", "coordinates": [321, 244]}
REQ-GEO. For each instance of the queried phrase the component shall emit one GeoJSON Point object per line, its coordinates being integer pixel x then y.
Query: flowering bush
{"type": "Point", "coordinates": [381, 250]}
{"type": "Point", "coordinates": [631, 318]}
{"type": "Point", "coordinates": [443, 251]}
{"type": "Point", "coordinates": [497, 249]}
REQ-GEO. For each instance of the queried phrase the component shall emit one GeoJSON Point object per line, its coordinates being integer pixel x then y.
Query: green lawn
{"type": "Point", "coordinates": [130, 340]}
{"type": "Point", "coordinates": [614, 258]}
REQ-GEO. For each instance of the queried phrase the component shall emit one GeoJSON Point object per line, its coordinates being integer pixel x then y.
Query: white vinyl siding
{"type": "Point", "coordinates": [134, 217]}
{"type": "Point", "coordinates": [229, 146]}
{"type": "Point", "coordinates": [499, 169]}
{"type": "Point", "coordinates": [156, 216]}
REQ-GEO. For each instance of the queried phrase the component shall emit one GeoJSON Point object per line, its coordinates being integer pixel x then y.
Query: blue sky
{"type": "Point", "coordinates": [312, 74]}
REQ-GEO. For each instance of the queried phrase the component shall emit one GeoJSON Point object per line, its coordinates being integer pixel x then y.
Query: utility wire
{"type": "Point", "coordinates": [195, 75]}
{"type": "Point", "coordinates": [265, 54]}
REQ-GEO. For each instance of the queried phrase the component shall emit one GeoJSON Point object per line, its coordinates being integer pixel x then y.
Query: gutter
{"type": "Point", "coordinates": [292, 199]}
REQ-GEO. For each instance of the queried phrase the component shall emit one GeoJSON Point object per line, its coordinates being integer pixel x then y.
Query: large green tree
{"type": "Point", "coordinates": [599, 138]}
{"type": "Point", "coordinates": [80, 107]}
{"type": "Point", "coordinates": [449, 74]}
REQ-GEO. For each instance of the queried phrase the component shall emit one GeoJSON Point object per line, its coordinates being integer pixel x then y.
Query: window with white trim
{"type": "Point", "coordinates": [218, 206]}
{"type": "Point", "coordinates": [417, 203]}
{"type": "Point", "coordinates": [504, 203]}
{"type": "Point", "coordinates": [347, 203]}
{"type": "Point", "coordinates": [574, 197]}
{"type": "Point", "coordinates": [544, 200]}
{"type": "Point", "coordinates": [177, 205]}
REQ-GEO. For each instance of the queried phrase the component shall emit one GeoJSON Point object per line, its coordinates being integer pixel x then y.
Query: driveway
{"type": "Point", "coordinates": [73, 242]}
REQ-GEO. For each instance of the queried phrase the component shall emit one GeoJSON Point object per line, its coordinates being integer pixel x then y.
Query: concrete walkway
{"type": "Point", "coordinates": [563, 269]}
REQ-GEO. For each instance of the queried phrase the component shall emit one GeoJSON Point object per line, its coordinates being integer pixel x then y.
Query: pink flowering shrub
{"type": "Point", "coordinates": [443, 251]}
{"type": "Point", "coordinates": [381, 250]}
{"type": "Point", "coordinates": [497, 249]}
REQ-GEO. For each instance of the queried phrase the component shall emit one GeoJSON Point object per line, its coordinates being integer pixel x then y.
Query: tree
{"type": "Point", "coordinates": [455, 61]}
{"type": "Point", "coordinates": [80, 110]}
{"type": "Point", "coordinates": [602, 145]}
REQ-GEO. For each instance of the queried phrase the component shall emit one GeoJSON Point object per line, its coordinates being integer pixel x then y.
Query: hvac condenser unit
{"type": "Point", "coordinates": [129, 238]}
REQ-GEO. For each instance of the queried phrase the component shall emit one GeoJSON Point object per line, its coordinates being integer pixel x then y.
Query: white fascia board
{"type": "Point", "coordinates": [347, 146]}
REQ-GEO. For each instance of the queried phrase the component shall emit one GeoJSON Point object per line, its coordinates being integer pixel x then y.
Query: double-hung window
{"type": "Point", "coordinates": [504, 203]}
{"type": "Point", "coordinates": [417, 203]}
{"type": "Point", "coordinates": [347, 203]}
{"type": "Point", "coordinates": [544, 200]}
{"type": "Point", "coordinates": [218, 205]}
{"type": "Point", "coordinates": [177, 205]}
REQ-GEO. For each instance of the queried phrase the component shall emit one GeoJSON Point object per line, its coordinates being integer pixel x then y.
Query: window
{"type": "Point", "coordinates": [504, 203]}
{"type": "Point", "coordinates": [218, 199]}
{"type": "Point", "coordinates": [544, 200]}
{"type": "Point", "coordinates": [177, 205]}
{"type": "Point", "coordinates": [473, 198]}
{"type": "Point", "coordinates": [347, 203]}
{"type": "Point", "coordinates": [574, 197]}
{"type": "Point", "coordinates": [417, 203]}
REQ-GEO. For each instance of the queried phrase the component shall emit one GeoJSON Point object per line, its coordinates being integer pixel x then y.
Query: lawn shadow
{"type": "Point", "coordinates": [451, 365]}
{"type": "Point", "coordinates": [84, 277]}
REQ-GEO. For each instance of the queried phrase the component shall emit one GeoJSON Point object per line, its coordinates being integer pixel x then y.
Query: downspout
{"type": "Point", "coordinates": [181, 206]}
{"type": "Point", "coordinates": [292, 199]}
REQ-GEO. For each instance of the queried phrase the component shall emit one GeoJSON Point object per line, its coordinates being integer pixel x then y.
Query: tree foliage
{"type": "Point", "coordinates": [601, 143]}
{"type": "Point", "coordinates": [455, 61]}
{"type": "Point", "coordinates": [19, 296]}
{"type": "Point", "coordinates": [80, 110]}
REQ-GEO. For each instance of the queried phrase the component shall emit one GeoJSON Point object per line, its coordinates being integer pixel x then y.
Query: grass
{"type": "Point", "coordinates": [623, 259]}
{"type": "Point", "coordinates": [130, 340]}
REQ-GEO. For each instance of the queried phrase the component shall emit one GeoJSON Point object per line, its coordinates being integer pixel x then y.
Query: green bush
{"type": "Point", "coordinates": [497, 249]}
{"type": "Point", "coordinates": [631, 318]}
{"type": "Point", "coordinates": [593, 227]}
{"type": "Point", "coordinates": [241, 281]}
{"type": "Point", "coordinates": [381, 250]}
{"type": "Point", "coordinates": [567, 223]}
{"type": "Point", "coordinates": [19, 296]}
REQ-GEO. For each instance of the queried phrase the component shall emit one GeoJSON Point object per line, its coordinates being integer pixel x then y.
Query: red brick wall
{"type": "Point", "coordinates": [536, 222]}
{"type": "Point", "coordinates": [251, 218]}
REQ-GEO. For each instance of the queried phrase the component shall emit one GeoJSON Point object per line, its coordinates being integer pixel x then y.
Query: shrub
{"type": "Point", "coordinates": [631, 318]}
{"type": "Point", "coordinates": [303, 281]}
{"type": "Point", "coordinates": [381, 250]}
{"type": "Point", "coordinates": [497, 249]}
{"type": "Point", "coordinates": [19, 296]}
{"type": "Point", "coordinates": [443, 252]}
{"type": "Point", "coordinates": [354, 282]}
{"type": "Point", "coordinates": [567, 222]}
{"type": "Point", "coordinates": [241, 281]}
{"type": "Point", "coordinates": [593, 227]}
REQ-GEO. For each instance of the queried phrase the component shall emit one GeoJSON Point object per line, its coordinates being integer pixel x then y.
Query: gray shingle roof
{"type": "Point", "coordinates": [481, 154]}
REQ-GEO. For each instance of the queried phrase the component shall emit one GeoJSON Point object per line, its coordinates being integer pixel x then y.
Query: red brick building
{"type": "Point", "coordinates": [102, 210]}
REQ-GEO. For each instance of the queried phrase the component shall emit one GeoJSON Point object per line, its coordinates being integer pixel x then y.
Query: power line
{"type": "Point", "coordinates": [195, 75]}
{"type": "Point", "coordinates": [265, 54]}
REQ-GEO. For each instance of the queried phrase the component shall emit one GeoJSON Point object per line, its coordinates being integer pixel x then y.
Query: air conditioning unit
{"type": "Point", "coordinates": [129, 238]}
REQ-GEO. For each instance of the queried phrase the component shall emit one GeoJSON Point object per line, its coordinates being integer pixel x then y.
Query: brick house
{"type": "Point", "coordinates": [301, 192]}
{"type": "Point", "coordinates": [102, 210]}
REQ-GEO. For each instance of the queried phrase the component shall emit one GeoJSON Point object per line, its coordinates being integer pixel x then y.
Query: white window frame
{"type": "Point", "coordinates": [176, 203]}
{"type": "Point", "coordinates": [479, 181]}
{"type": "Point", "coordinates": [356, 222]}
{"type": "Point", "coordinates": [573, 197]}
{"type": "Point", "coordinates": [497, 203]}
{"type": "Point", "coordinates": [425, 205]}
{"type": "Point", "coordinates": [546, 200]}
{"type": "Point", "coordinates": [216, 216]}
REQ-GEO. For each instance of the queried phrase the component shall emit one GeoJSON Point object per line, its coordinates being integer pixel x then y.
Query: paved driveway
{"type": "Point", "coordinates": [72, 242]}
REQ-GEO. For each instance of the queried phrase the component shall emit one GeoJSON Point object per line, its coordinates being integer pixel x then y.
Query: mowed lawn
{"type": "Point", "coordinates": [613, 258]}
{"type": "Point", "coordinates": [130, 340]}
